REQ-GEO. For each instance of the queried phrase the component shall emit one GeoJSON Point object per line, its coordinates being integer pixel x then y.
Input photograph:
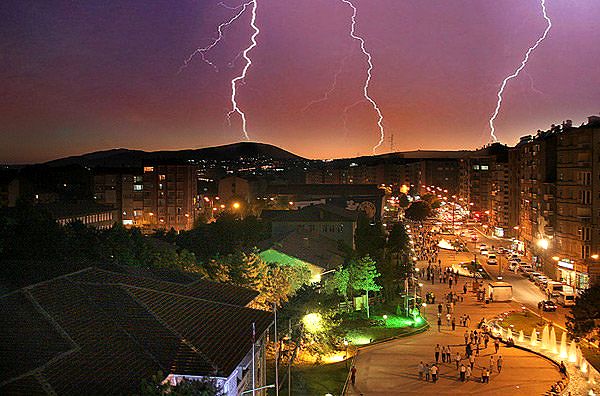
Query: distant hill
{"type": "Point", "coordinates": [131, 158]}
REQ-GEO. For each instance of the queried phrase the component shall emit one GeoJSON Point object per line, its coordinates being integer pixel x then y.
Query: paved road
{"type": "Point", "coordinates": [391, 368]}
{"type": "Point", "coordinates": [524, 291]}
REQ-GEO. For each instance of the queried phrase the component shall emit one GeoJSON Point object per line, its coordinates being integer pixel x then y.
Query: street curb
{"type": "Point", "coordinates": [417, 330]}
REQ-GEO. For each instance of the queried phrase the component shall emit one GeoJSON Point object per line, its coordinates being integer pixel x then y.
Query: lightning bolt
{"type": "Point", "coordinates": [369, 71]}
{"type": "Point", "coordinates": [516, 72]}
{"type": "Point", "coordinates": [202, 51]}
{"type": "Point", "coordinates": [331, 87]}
{"type": "Point", "coordinates": [234, 105]}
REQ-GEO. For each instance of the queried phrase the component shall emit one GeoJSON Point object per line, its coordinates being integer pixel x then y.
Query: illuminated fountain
{"type": "Point", "coordinates": [563, 345]}
{"type": "Point", "coordinates": [533, 339]}
{"type": "Point", "coordinates": [584, 366]}
{"type": "Point", "coordinates": [509, 334]}
{"type": "Point", "coordinates": [545, 337]}
{"type": "Point", "coordinates": [573, 352]}
{"type": "Point", "coordinates": [552, 345]}
{"type": "Point", "coordinates": [521, 336]}
{"type": "Point", "coordinates": [500, 332]}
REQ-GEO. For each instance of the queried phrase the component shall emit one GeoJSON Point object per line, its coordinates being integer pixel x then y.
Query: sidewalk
{"type": "Point", "coordinates": [391, 368]}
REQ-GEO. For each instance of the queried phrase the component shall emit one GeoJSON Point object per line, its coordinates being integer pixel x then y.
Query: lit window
{"type": "Point", "coordinates": [138, 187]}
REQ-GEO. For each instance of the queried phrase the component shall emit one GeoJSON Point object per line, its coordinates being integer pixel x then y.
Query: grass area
{"type": "Point", "coordinates": [522, 322]}
{"type": "Point", "coordinates": [361, 331]}
{"type": "Point", "coordinates": [314, 379]}
{"type": "Point", "coordinates": [592, 356]}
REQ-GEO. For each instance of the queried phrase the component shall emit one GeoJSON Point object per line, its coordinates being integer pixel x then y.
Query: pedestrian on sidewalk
{"type": "Point", "coordinates": [437, 353]}
{"type": "Point", "coordinates": [499, 364]}
{"type": "Point", "coordinates": [477, 349]}
{"type": "Point", "coordinates": [450, 282]}
{"type": "Point", "coordinates": [434, 372]}
{"type": "Point", "coordinates": [463, 372]}
{"type": "Point", "coordinates": [465, 288]}
{"type": "Point", "coordinates": [485, 376]}
{"type": "Point", "coordinates": [496, 345]}
{"type": "Point", "coordinates": [440, 308]}
{"type": "Point", "coordinates": [486, 340]}
{"type": "Point", "coordinates": [468, 372]}
{"type": "Point", "coordinates": [457, 359]}
{"type": "Point", "coordinates": [466, 337]}
{"type": "Point", "coordinates": [448, 317]}
{"type": "Point", "coordinates": [468, 321]}
{"type": "Point", "coordinates": [421, 370]}
{"type": "Point", "coordinates": [439, 324]}
{"type": "Point", "coordinates": [492, 363]}
{"type": "Point", "coordinates": [471, 361]}
{"type": "Point", "coordinates": [353, 375]}
{"type": "Point", "coordinates": [453, 323]}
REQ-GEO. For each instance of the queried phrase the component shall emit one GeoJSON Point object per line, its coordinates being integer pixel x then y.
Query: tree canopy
{"type": "Point", "coordinates": [418, 211]}
{"type": "Point", "coordinates": [585, 315]}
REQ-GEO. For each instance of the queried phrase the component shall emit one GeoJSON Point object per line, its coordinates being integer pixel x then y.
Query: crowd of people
{"type": "Point", "coordinates": [464, 358]}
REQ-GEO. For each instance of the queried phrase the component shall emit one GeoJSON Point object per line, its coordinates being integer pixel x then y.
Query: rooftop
{"type": "Point", "coordinates": [105, 332]}
{"type": "Point", "coordinates": [324, 213]}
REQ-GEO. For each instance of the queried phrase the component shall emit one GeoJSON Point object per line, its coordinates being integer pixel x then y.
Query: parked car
{"type": "Point", "coordinates": [527, 272]}
{"type": "Point", "coordinates": [533, 275]}
{"type": "Point", "coordinates": [523, 266]}
{"type": "Point", "coordinates": [554, 288]}
{"type": "Point", "coordinates": [542, 281]}
{"type": "Point", "coordinates": [547, 305]}
{"type": "Point", "coordinates": [566, 299]}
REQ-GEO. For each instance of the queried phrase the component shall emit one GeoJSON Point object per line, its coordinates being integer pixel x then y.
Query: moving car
{"type": "Point", "coordinates": [547, 305]}
{"type": "Point", "coordinates": [474, 238]}
{"type": "Point", "coordinates": [492, 259]}
{"type": "Point", "coordinates": [533, 275]}
{"type": "Point", "coordinates": [554, 288]}
{"type": "Point", "coordinates": [484, 252]}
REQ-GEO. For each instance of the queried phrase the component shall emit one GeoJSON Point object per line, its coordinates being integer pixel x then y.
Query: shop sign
{"type": "Point", "coordinates": [565, 264]}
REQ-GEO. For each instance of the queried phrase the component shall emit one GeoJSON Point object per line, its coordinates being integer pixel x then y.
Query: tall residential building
{"type": "Point", "coordinates": [170, 197]}
{"type": "Point", "coordinates": [577, 234]}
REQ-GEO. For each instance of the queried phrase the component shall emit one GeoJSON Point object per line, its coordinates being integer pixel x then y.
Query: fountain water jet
{"type": "Point", "coordinates": [563, 345]}
{"type": "Point", "coordinates": [545, 337]}
{"type": "Point", "coordinates": [521, 336]}
{"type": "Point", "coordinates": [552, 345]}
{"type": "Point", "coordinates": [533, 339]}
{"type": "Point", "coordinates": [509, 334]}
{"type": "Point", "coordinates": [573, 352]}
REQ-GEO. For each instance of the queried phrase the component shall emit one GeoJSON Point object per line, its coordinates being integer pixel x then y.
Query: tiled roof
{"type": "Point", "coordinates": [199, 288]}
{"type": "Point", "coordinates": [86, 333]}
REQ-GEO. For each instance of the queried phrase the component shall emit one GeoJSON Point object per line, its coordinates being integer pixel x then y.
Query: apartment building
{"type": "Point", "coordinates": [170, 198]}
{"type": "Point", "coordinates": [122, 189]}
{"type": "Point", "coordinates": [577, 233]}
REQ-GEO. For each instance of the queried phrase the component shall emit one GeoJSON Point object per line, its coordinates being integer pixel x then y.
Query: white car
{"type": "Point", "coordinates": [492, 259]}
{"type": "Point", "coordinates": [484, 252]}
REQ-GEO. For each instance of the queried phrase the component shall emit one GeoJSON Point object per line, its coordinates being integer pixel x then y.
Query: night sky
{"type": "Point", "coordinates": [80, 76]}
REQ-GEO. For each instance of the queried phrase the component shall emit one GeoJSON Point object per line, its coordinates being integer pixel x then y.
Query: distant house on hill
{"type": "Point", "coordinates": [101, 332]}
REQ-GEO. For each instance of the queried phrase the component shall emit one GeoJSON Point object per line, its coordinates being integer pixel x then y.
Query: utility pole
{"type": "Point", "coordinates": [253, 356]}
{"type": "Point", "coordinates": [276, 354]}
{"type": "Point", "coordinates": [290, 362]}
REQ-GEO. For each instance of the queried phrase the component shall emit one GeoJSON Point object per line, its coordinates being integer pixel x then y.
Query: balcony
{"type": "Point", "coordinates": [583, 212]}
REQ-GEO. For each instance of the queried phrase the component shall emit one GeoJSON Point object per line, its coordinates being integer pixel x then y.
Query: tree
{"type": "Point", "coordinates": [403, 201]}
{"type": "Point", "coordinates": [363, 273]}
{"type": "Point", "coordinates": [157, 386]}
{"type": "Point", "coordinates": [418, 211]}
{"type": "Point", "coordinates": [338, 283]}
{"type": "Point", "coordinates": [585, 315]}
{"type": "Point", "coordinates": [398, 239]}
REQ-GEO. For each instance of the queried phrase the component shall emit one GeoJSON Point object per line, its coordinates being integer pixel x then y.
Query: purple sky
{"type": "Point", "coordinates": [79, 76]}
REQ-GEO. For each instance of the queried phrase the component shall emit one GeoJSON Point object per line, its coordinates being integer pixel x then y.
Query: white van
{"type": "Point", "coordinates": [566, 299]}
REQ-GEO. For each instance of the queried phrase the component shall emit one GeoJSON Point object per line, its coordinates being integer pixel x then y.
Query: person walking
{"type": "Point", "coordinates": [468, 372]}
{"type": "Point", "coordinates": [465, 288]}
{"type": "Point", "coordinates": [437, 353]}
{"type": "Point", "coordinates": [499, 364]}
{"type": "Point", "coordinates": [463, 372]}
{"type": "Point", "coordinates": [421, 370]}
{"type": "Point", "coordinates": [466, 337]}
{"type": "Point", "coordinates": [485, 376]}
{"type": "Point", "coordinates": [497, 345]}
{"type": "Point", "coordinates": [492, 363]}
{"type": "Point", "coordinates": [427, 372]}
{"type": "Point", "coordinates": [440, 308]}
{"type": "Point", "coordinates": [457, 359]}
{"type": "Point", "coordinates": [486, 340]}
{"type": "Point", "coordinates": [448, 317]}
{"type": "Point", "coordinates": [453, 323]}
{"type": "Point", "coordinates": [434, 373]}
{"type": "Point", "coordinates": [439, 324]}
{"type": "Point", "coordinates": [477, 349]}
{"type": "Point", "coordinates": [353, 375]}
{"type": "Point", "coordinates": [450, 280]}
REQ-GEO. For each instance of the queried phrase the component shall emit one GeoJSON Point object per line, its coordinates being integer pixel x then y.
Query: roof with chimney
{"type": "Point", "coordinates": [100, 332]}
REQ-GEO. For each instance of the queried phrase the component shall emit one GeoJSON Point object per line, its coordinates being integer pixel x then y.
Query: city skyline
{"type": "Point", "coordinates": [74, 83]}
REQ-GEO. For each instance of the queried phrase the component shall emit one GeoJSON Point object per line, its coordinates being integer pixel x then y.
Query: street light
{"type": "Point", "coordinates": [543, 243]}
